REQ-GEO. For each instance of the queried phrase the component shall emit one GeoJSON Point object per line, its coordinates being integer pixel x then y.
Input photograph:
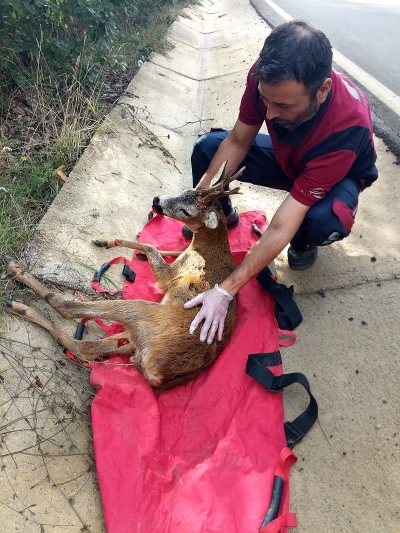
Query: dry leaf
{"type": "Point", "coordinates": [61, 175]}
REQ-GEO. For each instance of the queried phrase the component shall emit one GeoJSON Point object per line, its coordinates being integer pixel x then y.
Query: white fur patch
{"type": "Point", "coordinates": [211, 220]}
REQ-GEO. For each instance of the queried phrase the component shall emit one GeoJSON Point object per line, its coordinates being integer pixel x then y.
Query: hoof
{"type": "Point", "coordinates": [15, 307]}
{"type": "Point", "coordinates": [102, 244]}
{"type": "Point", "coordinates": [13, 268]}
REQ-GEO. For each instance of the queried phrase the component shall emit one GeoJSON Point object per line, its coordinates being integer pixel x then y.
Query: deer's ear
{"type": "Point", "coordinates": [221, 172]}
{"type": "Point", "coordinates": [211, 220]}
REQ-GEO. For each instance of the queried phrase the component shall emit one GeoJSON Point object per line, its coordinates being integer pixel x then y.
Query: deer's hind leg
{"type": "Point", "coordinates": [118, 344]}
{"type": "Point", "coordinates": [112, 310]}
{"type": "Point", "coordinates": [57, 301]}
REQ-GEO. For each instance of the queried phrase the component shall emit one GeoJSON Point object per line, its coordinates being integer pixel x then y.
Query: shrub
{"type": "Point", "coordinates": [59, 32]}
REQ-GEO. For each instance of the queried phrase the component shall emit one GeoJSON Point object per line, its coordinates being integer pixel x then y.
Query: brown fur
{"type": "Point", "coordinates": [156, 335]}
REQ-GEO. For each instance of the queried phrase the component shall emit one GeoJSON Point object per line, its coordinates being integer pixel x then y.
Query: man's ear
{"type": "Point", "coordinates": [323, 91]}
{"type": "Point", "coordinates": [211, 220]}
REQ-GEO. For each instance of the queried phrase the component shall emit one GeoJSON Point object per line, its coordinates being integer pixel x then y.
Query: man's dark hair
{"type": "Point", "coordinates": [295, 51]}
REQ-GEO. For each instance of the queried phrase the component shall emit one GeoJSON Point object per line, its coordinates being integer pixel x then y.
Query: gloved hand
{"type": "Point", "coordinates": [213, 311]}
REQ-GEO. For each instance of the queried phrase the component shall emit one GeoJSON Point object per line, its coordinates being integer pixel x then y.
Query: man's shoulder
{"type": "Point", "coordinates": [348, 103]}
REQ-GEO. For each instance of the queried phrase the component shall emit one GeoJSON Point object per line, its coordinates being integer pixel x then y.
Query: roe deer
{"type": "Point", "coordinates": [156, 334]}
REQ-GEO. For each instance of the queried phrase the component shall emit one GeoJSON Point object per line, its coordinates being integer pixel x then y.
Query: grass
{"type": "Point", "coordinates": [59, 117]}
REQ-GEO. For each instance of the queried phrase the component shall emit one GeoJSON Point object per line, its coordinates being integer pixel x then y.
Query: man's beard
{"type": "Point", "coordinates": [308, 114]}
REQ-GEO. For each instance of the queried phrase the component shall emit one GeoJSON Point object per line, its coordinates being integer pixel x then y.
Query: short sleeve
{"type": "Point", "coordinates": [251, 112]}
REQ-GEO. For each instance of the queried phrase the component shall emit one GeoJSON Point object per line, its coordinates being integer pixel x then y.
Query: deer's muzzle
{"type": "Point", "coordinates": [156, 206]}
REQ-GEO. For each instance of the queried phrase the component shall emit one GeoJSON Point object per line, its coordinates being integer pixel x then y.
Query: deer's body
{"type": "Point", "coordinates": [156, 335]}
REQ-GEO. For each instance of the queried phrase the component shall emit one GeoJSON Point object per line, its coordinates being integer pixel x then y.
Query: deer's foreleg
{"type": "Point", "coordinates": [161, 270]}
{"type": "Point", "coordinates": [133, 245]}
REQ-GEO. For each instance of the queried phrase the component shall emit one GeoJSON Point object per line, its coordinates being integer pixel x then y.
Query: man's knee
{"type": "Point", "coordinates": [325, 226]}
{"type": "Point", "coordinates": [207, 144]}
{"type": "Point", "coordinates": [203, 151]}
{"type": "Point", "coordinates": [331, 219]}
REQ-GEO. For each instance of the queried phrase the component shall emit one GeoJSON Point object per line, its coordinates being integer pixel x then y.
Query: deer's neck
{"type": "Point", "coordinates": [207, 238]}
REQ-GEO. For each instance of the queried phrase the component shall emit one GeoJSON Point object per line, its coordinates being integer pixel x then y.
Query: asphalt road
{"type": "Point", "coordinates": [366, 32]}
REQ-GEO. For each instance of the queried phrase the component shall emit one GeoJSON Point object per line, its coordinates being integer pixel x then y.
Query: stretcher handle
{"type": "Point", "coordinates": [276, 498]}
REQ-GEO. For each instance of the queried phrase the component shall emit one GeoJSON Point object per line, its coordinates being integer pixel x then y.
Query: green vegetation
{"type": "Point", "coordinates": [60, 32]}
{"type": "Point", "coordinates": [62, 66]}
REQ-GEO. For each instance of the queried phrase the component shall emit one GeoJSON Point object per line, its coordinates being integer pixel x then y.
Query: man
{"type": "Point", "coordinates": [319, 149]}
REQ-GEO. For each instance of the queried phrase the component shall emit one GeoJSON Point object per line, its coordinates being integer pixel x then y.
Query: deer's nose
{"type": "Point", "coordinates": [156, 205]}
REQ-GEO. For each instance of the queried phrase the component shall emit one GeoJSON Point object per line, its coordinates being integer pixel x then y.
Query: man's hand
{"type": "Point", "coordinates": [213, 311]}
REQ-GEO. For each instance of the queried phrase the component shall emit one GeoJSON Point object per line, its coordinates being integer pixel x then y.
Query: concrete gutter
{"type": "Point", "coordinates": [347, 475]}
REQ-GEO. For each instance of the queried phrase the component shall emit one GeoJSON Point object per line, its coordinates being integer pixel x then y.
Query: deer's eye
{"type": "Point", "coordinates": [185, 213]}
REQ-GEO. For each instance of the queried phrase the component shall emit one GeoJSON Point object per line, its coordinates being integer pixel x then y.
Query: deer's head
{"type": "Point", "coordinates": [199, 206]}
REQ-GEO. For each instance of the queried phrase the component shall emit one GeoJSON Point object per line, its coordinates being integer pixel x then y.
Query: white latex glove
{"type": "Point", "coordinates": [213, 311]}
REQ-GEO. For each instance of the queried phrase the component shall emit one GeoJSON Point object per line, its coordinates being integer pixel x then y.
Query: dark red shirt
{"type": "Point", "coordinates": [337, 142]}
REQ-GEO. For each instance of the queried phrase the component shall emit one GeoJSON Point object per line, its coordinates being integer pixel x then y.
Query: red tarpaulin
{"type": "Point", "coordinates": [200, 458]}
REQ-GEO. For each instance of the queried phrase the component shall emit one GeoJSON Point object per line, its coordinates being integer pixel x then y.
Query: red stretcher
{"type": "Point", "coordinates": [204, 457]}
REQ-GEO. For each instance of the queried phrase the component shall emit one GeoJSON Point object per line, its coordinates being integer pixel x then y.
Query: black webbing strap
{"type": "Point", "coordinates": [287, 312]}
{"type": "Point", "coordinates": [256, 367]}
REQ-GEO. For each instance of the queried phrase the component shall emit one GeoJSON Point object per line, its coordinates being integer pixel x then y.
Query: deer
{"type": "Point", "coordinates": [156, 335]}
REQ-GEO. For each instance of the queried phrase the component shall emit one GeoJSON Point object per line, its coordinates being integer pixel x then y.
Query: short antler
{"type": "Point", "coordinates": [217, 189]}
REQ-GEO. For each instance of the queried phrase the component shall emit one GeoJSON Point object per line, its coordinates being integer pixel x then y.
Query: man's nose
{"type": "Point", "coordinates": [272, 111]}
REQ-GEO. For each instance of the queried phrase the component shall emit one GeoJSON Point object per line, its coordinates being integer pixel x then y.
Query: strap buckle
{"type": "Point", "coordinates": [293, 434]}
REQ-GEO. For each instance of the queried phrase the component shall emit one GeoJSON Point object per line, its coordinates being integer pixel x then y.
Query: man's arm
{"type": "Point", "coordinates": [233, 149]}
{"type": "Point", "coordinates": [215, 302]}
{"type": "Point", "coordinates": [283, 227]}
